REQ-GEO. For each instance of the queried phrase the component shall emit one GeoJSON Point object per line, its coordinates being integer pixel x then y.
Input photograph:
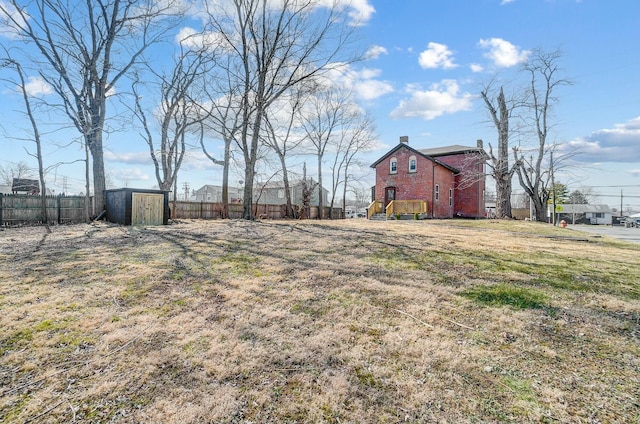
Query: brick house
{"type": "Point", "coordinates": [441, 182]}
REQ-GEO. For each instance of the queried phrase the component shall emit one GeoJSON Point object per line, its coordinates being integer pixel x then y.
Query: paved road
{"type": "Point", "coordinates": [618, 231]}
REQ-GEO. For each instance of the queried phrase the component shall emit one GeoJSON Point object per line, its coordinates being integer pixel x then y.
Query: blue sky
{"type": "Point", "coordinates": [426, 65]}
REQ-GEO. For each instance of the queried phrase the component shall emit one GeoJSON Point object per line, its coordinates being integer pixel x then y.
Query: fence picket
{"type": "Point", "coordinates": [21, 209]}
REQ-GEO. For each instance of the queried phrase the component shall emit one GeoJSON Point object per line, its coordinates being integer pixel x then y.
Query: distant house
{"type": "Point", "coordinates": [583, 214]}
{"type": "Point", "coordinates": [274, 194]}
{"type": "Point", "coordinates": [25, 185]}
{"type": "Point", "coordinates": [443, 182]}
{"type": "Point", "coordinates": [213, 193]}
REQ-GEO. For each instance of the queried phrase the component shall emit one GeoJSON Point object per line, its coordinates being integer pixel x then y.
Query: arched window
{"type": "Point", "coordinates": [393, 166]}
{"type": "Point", "coordinates": [413, 164]}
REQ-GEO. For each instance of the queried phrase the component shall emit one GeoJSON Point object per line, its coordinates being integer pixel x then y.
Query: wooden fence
{"type": "Point", "coordinates": [20, 209]}
{"type": "Point", "coordinates": [209, 210]}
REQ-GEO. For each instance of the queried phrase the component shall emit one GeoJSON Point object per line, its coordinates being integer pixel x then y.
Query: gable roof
{"type": "Point", "coordinates": [451, 150]}
{"type": "Point", "coordinates": [418, 152]}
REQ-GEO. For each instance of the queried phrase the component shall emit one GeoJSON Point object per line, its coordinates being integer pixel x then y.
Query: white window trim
{"type": "Point", "coordinates": [391, 166]}
{"type": "Point", "coordinates": [450, 197]}
{"type": "Point", "coordinates": [437, 192]}
{"type": "Point", "coordinates": [415, 161]}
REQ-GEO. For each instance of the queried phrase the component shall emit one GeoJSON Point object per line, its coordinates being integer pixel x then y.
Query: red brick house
{"type": "Point", "coordinates": [442, 182]}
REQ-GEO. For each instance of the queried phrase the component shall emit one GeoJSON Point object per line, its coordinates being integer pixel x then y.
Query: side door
{"type": "Point", "coordinates": [389, 195]}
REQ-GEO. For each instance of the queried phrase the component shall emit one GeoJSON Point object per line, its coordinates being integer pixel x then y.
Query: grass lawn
{"type": "Point", "coordinates": [318, 322]}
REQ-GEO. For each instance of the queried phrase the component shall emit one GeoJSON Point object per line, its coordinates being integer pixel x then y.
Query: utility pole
{"type": "Point", "coordinates": [620, 202]}
{"type": "Point", "coordinates": [185, 186]}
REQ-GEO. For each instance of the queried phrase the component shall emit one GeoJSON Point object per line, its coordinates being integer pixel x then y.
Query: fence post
{"type": "Point", "coordinates": [58, 209]}
{"type": "Point", "coordinates": [1, 210]}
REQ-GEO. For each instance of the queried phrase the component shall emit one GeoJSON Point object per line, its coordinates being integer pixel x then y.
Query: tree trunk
{"type": "Point", "coordinates": [344, 194]}
{"type": "Point", "coordinates": [87, 184]}
{"type": "Point", "coordinates": [247, 202]}
{"type": "Point", "coordinates": [225, 178]}
{"type": "Point", "coordinates": [500, 164]}
{"type": "Point", "coordinates": [320, 202]}
{"type": "Point", "coordinates": [503, 197]}
{"type": "Point", "coordinates": [540, 209]}
{"type": "Point", "coordinates": [287, 190]}
{"type": "Point", "coordinates": [97, 155]}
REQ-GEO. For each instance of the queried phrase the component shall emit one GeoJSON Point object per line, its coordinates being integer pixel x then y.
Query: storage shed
{"type": "Point", "coordinates": [131, 206]}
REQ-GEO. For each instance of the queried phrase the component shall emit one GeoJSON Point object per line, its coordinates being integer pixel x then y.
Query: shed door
{"type": "Point", "coordinates": [147, 209]}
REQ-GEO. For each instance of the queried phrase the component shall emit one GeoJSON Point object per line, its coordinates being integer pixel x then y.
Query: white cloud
{"type": "Point", "coordinates": [635, 173]}
{"type": "Point", "coordinates": [441, 98]}
{"type": "Point", "coordinates": [436, 56]}
{"type": "Point", "coordinates": [360, 11]}
{"type": "Point", "coordinates": [374, 52]}
{"type": "Point", "coordinates": [140, 158]}
{"type": "Point", "coordinates": [193, 39]}
{"type": "Point", "coordinates": [36, 86]}
{"type": "Point", "coordinates": [130, 176]}
{"type": "Point", "coordinates": [503, 53]}
{"type": "Point", "coordinates": [617, 144]}
{"type": "Point", "coordinates": [7, 27]}
{"type": "Point", "coordinates": [372, 89]}
{"type": "Point", "coordinates": [364, 82]}
{"type": "Point", "coordinates": [475, 67]}
{"type": "Point", "coordinates": [506, 2]}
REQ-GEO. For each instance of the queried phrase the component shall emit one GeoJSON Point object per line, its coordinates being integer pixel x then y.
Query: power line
{"type": "Point", "coordinates": [613, 186]}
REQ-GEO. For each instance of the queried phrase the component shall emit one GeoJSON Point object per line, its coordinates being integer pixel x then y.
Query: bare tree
{"type": "Point", "coordinates": [266, 50]}
{"type": "Point", "coordinates": [356, 136]}
{"type": "Point", "coordinates": [361, 193]}
{"type": "Point", "coordinates": [177, 116]}
{"type": "Point", "coordinates": [324, 116]}
{"type": "Point", "coordinates": [84, 49]}
{"type": "Point", "coordinates": [536, 169]}
{"type": "Point", "coordinates": [308, 186]}
{"type": "Point", "coordinates": [16, 170]}
{"type": "Point", "coordinates": [283, 139]}
{"type": "Point", "coordinates": [498, 162]}
{"type": "Point", "coordinates": [221, 111]}
{"type": "Point", "coordinates": [22, 87]}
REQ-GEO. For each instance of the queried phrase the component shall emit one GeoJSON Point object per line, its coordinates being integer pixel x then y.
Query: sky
{"type": "Point", "coordinates": [426, 63]}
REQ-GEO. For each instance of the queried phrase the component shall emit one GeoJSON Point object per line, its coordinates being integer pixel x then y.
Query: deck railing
{"type": "Point", "coordinates": [406, 207]}
{"type": "Point", "coordinates": [374, 208]}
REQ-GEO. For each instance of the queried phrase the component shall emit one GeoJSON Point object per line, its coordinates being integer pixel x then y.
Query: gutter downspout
{"type": "Point", "coordinates": [433, 189]}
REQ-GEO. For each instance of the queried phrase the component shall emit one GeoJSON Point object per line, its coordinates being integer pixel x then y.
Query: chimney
{"type": "Point", "coordinates": [404, 139]}
{"type": "Point", "coordinates": [480, 144]}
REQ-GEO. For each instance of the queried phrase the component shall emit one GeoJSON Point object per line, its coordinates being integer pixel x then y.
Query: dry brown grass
{"type": "Point", "coordinates": [338, 322]}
